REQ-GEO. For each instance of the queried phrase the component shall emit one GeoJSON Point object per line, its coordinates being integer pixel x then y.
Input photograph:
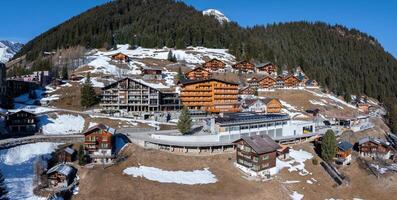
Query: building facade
{"type": "Point", "coordinates": [214, 65]}
{"type": "Point", "coordinates": [244, 66]}
{"type": "Point", "coordinates": [134, 96]}
{"type": "Point", "coordinates": [257, 153]}
{"type": "Point", "coordinates": [267, 68]}
{"type": "Point", "coordinates": [232, 126]}
{"type": "Point", "coordinates": [214, 96]}
{"type": "Point", "coordinates": [198, 73]}
{"type": "Point", "coordinates": [268, 105]}
{"type": "Point", "coordinates": [21, 122]}
{"type": "Point", "coordinates": [98, 143]}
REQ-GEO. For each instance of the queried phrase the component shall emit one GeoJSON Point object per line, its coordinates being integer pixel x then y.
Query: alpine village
{"type": "Point", "coordinates": [153, 99]}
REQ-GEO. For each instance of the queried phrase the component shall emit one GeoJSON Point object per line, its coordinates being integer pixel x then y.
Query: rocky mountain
{"type": "Point", "coordinates": [8, 50]}
{"type": "Point", "coordinates": [217, 14]}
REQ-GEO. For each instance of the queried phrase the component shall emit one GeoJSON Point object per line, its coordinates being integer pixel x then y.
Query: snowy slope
{"type": "Point", "coordinates": [8, 50]}
{"type": "Point", "coordinates": [217, 14]}
{"type": "Point", "coordinates": [17, 166]}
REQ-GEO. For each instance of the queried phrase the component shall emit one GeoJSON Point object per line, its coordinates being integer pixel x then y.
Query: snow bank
{"type": "Point", "coordinates": [296, 196]}
{"type": "Point", "coordinates": [317, 102]}
{"type": "Point", "coordinates": [62, 124]}
{"type": "Point", "coordinates": [17, 166]}
{"type": "Point", "coordinates": [20, 154]}
{"type": "Point", "coordinates": [180, 177]}
{"type": "Point", "coordinates": [295, 164]}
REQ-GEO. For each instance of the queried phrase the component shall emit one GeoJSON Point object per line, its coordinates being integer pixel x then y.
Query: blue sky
{"type": "Point", "coordinates": [21, 20]}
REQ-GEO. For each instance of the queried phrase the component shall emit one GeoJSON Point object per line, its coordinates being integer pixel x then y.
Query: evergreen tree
{"type": "Point", "coordinates": [256, 93]}
{"type": "Point", "coordinates": [347, 97]}
{"type": "Point", "coordinates": [328, 146]}
{"type": "Point", "coordinates": [185, 122]}
{"type": "Point", "coordinates": [180, 75]}
{"type": "Point", "coordinates": [65, 74]}
{"type": "Point", "coordinates": [88, 95]}
{"type": "Point", "coordinates": [170, 56]}
{"type": "Point", "coordinates": [3, 188]}
{"type": "Point", "coordinates": [81, 155]}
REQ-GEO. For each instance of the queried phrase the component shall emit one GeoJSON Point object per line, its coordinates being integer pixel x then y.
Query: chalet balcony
{"type": "Point", "coordinates": [195, 99]}
{"type": "Point", "coordinates": [225, 97]}
{"type": "Point", "coordinates": [226, 87]}
{"type": "Point", "coordinates": [226, 92]}
{"type": "Point", "coordinates": [195, 94]}
{"type": "Point", "coordinates": [196, 104]}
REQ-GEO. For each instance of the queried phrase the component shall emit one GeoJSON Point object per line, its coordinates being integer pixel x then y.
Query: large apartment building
{"type": "Point", "coordinates": [136, 96]}
{"type": "Point", "coordinates": [210, 95]}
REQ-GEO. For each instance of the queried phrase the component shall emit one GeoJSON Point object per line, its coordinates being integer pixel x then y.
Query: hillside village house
{"type": "Point", "coordinates": [267, 82]}
{"type": "Point", "coordinates": [244, 66]}
{"type": "Point", "coordinates": [41, 78]}
{"type": "Point", "coordinates": [267, 105]}
{"type": "Point", "coordinates": [198, 73]}
{"type": "Point", "coordinates": [120, 57]}
{"type": "Point", "coordinates": [98, 143]}
{"type": "Point", "coordinates": [311, 83]}
{"type": "Point", "coordinates": [210, 95]}
{"type": "Point", "coordinates": [267, 69]}
{"type": "Point", "coordinates": [374, 148]}
{"type": "Point", "coordinates": [253, 82]}
{"type": "Point", "coordinates": [21, 122]}
{"type": "Point", "coordinates": [151, 73]}
{"type": "Point", "coordinates": [257, 153]}
{"type": "Point", "coordinates": [137, 97]}
{"type": "Point", "coordinates": [343, 153]}
{"type": "Point", "coordinates": [66, 155]}
{"type": "Point", "coordinates": [232, 126]}
{"type": "Point", "coordinates": [214, 65]}
{"type": "Point", "coordinates": [61, 176]}
{"type": "Point", "coordinates": [291, 81]}
{"type": "Point", "coordinates": [248, 91]}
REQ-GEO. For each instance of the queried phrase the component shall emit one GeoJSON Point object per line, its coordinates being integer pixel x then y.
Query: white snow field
{"type": "Point", "coordinates": [16, 165]}
{"type": "Point", "coordinates": [62, 124]}
{"type": "Point", "coordinates": [180, 177]}
{"type": "Point", "coordinates": [295, 164]}
{"type": "Point", "coordinates": [296, 196]}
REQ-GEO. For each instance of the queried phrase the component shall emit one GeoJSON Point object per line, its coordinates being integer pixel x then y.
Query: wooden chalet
{"type": "Point", "coordinates": [283, 152]}
{"type": "Point", "coordinates": [374, 148]}
{"type": "Point", "coordinates": [267, 82]}
{"type": "Point", "coordinates": [291, 81]}
{"type": "Point", "coordinates": [268, 105]}
{"type": "Point", "coordinates": [244, 66]}
{"type": "Point", "coordinates": [120, 57]}
{"type": "Point", "coordinates": [248, 91]}
{"type": "Point", "coordinates": [151, 72]}
{"type": "Point", "coordinates": [21, 122]}
{"type": "Point", "coordinates": [253, 82]}
{"type": "Point", "coordinates": [198, 73]}
{"type": "Point", "coordinates": [98, 143]}
{"type": "Point", "coordinates": [343, 153]}
{"type": "Point", "coordinates": [279, 82]}
{"type": "Point", "coordinates": [257, 153]}
{"type": "Point", "coordinates": [210, 95]}
{"type": "Point", "coordinates": [60, 176]}
{"type": "Point", "coordinates": [66, 155]}
{"type": "Point", "coordinates": [214, 65]}
{"type": "Point", "coordinates": [267, 68]}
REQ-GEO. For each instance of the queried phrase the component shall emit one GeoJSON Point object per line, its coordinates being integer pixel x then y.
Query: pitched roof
{"type": "Point", "coordinates": [20, 111]}
{"type": "Point", "coordinates": [344, 145]}
{"type": "Point", "coordinates": [100, 127]}
{"type": "Point", "coordinates": [373, 140]}
{"type": "Point", "coordinates": [188, 81]}
{"type": "Point", "coordinates": [62, 169]}
{"type": "Point", "coordinates": [261, 144]}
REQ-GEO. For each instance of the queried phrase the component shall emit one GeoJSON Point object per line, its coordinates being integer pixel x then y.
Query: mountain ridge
{"type": "Point", "coordinates": [8, 49]}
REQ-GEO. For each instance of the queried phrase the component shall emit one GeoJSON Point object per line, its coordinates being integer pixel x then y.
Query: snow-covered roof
{"type": "Point", "coordinates": [62, 169]}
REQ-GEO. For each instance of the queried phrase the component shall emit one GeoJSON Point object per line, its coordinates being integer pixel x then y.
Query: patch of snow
{"type": "Point", "coordinates": [17, 167]}
{"type": "Point", "coordinates": [309, 181]}
{"type": "Point", "coordinates": [94, 82]}
{"type": "Point", "coordinates": [316, 103]}
{"type": "Point", "coordinates": [62, 124]}
{"type": "Point", "coordinates": [296, 196]}
{"type": "Point", "coordinates": [180, 177]}
{"type": "Point", "coordinates": [295, 164]}
{"type": "Point", "coordinates": [291, 182]}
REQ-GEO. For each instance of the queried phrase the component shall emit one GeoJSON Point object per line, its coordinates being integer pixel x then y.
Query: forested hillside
{"type": "Point", "coordinates": [343, 60]}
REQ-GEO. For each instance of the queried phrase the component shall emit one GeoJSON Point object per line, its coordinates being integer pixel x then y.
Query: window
{"type": "Point", "coordinates": [256, 159]}
{"type": "Point", "coordinates": [265, 157]}
{"type": "Point", "coordinates": [265, 165]}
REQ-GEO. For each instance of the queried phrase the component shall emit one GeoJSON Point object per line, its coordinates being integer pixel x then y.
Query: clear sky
{"type": "Point", "coordinates": [21, 20]}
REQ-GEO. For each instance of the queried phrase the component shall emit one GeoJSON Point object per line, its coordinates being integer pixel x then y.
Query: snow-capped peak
{"type": "Point", "coordinates": [217, 14]}
{"type": "Point", "coordinates": [8, 50]}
